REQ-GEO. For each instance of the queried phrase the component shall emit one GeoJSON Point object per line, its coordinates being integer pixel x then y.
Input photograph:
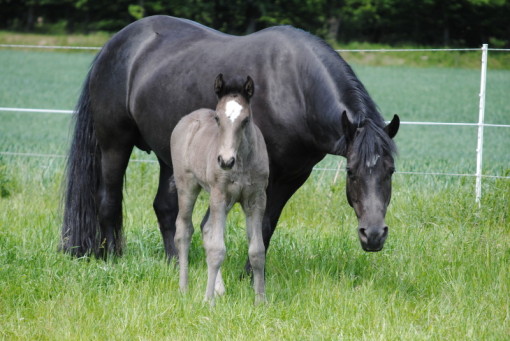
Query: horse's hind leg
{"type": "Point", "coordinates": [166, 208]}
{"type": "Point", "coordinates": [188, 192]}
{"type": "Point", "coordinates": [253, 207]}
{"type": "Point", "coordinates": [113, 167]}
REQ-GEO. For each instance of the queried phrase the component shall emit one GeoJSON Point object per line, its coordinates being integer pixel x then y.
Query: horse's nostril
{"type": "Point", "coordinates": [363, 232]}
{"type": "Point", "coordinates": [231, 162]}
{"type": "Point", "coordinates": [219, 159]}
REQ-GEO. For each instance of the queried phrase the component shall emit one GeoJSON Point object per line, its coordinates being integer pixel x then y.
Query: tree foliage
{"type": "Point", "coordinates": [427, 22]}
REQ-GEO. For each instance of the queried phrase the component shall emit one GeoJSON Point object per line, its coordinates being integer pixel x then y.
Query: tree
{"type": "Point", "coordinates": [429, 22]}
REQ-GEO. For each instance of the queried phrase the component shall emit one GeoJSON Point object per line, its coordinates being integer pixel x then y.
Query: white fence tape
{"type": "Point", "coordinates": [70, 112]}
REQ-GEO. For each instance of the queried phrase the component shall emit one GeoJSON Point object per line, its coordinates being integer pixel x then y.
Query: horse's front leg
{"type": "Point", "coordinates": [253, 207]}
{"type": "Point", "coordinates": [214, 242]}
{"type": "Point", "coordinates": [278, 193]}
{"type": "Point", "coordinates": [166, 208]}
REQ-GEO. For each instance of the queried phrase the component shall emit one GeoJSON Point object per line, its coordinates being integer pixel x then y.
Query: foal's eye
{"type": "Point", "coordinates": [245, 122]}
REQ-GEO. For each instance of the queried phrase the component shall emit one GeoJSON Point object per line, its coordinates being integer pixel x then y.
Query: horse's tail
{"type": "Point", "coordinates": [81, 234]}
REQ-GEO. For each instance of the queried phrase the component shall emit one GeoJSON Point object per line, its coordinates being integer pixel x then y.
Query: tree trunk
{"type": "Point", "coordinates": [30, 18]}
{"type": "Point", "coordinates": [333, 26]}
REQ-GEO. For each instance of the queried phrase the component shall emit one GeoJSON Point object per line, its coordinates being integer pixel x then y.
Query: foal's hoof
{"type": "Point", "coordinates": [219, 286]}
{"type": "Point", "coordinates": [260, 299]}
{"type": "Point", "coordinates": [210, 301]}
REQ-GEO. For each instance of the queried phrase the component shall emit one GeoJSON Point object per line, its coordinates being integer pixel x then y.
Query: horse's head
{"type": "Point", "coordinates": [233, 115]}
{"type": "Point", "coordinates": [370, 165]}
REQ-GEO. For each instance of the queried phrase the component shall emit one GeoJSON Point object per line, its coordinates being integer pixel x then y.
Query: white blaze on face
{"type": "Point", "coordinates": [233, 110]}
{"type": "Point", "coordinates": [372, 162]}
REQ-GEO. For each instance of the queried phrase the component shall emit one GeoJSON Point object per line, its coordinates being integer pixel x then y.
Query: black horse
{"type": "Point", "coordinates": [308, 103]}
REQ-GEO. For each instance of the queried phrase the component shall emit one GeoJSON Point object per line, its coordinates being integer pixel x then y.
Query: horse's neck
{"type": "Point", "coordinates": [330, 103]}
{"type": "Point", "coordinates": [325, 120]}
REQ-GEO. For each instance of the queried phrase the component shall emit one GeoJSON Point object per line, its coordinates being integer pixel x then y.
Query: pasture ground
{"type": "Point", "coordinates": [444, 272]}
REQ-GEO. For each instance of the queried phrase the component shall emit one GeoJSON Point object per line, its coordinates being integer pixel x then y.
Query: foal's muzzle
{"type": "Point", "coordinates": [226, 164]}
{"type": "Point", "coordinates": [372, 238]}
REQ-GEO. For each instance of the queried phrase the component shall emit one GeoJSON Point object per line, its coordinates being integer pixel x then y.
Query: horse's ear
{"type": "Point", "coordinates": [249, 87]}
{"type": "Point", "coordinates": [392, 128]}
{"type": "Point", "coordinates": [348, 128]}
{"type": "Point", "coordinates": [218, 84]}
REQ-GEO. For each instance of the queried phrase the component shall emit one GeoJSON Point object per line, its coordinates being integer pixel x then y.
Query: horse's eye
{"type": "Point", "coordinates": [245, 122]}
{"type": "Point", "coordinates": [217, 119]}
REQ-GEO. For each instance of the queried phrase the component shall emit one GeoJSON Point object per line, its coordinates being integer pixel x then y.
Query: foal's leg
{"type": "Point", "coordinates": [278, 192]}
{"type": "Point", "coordinates": [188, 192]}
{"type": "Point", "coordinates": [166, 207]}
{"type": "Point", "coordinates": [214, 243]}
{"type": "Point", "coordinates": [253, 207]}
{"type": "Point", "coordinates": [219, 287]}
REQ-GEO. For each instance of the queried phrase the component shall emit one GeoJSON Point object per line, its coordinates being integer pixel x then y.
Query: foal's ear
{"type": "Point", "coordinates": [249, 87]}
{"type": "Point", "coordinates": [218, 84]}
{"type": "Point", "coordinates": [392, 128]}
{"type": "Point", "coordinates": [348, 128]}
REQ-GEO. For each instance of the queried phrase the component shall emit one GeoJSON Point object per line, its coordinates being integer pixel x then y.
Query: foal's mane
{"type": "Point", "coordinates": [371, 141]}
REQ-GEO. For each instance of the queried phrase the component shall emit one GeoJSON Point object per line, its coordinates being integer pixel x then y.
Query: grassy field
{"type": "Point", "coordinates": [444, 273]}
{"type": "Point", "coordinates": [457, 59]}
{"type": "Point", "coordinates": [451, 59]}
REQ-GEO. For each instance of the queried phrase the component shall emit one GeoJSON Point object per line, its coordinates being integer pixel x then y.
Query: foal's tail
{"type": "Point", "coordinates": [80, 229]}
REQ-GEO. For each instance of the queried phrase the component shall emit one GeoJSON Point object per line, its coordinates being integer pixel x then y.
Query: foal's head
{"type": "Point", "coordinates": [370, 165]}
{"type": "Point", "coordinates": [233, 116]}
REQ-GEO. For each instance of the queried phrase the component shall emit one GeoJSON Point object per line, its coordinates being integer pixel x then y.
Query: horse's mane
{"type": "Point", "coordinates": [352, 93]}
{"type": "Point", "coordinates": [371, 140]}
{"type": "Point", "coordinates": [328, 67]}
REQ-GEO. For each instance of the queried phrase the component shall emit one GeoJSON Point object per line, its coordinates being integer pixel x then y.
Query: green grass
{"type": "Point", "coordinates": [457, 59]}
{"type": "Point", "coordinates": [444, 272]}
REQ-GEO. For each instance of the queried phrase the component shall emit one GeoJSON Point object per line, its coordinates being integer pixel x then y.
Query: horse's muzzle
{"type": "Point", "coordinates": [372, 238]}
{"type": "Point", "coordinates": [226, 164]}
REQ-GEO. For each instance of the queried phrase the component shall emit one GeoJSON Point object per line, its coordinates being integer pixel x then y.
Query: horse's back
{"type": "Point", "coordinates": [158, 69]}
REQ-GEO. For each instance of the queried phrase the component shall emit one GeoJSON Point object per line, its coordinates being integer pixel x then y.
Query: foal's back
{"type": "Point", "coordinates": [194, 144]}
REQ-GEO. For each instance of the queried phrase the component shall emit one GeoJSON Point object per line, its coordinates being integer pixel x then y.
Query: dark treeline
{"type": "Point", "coordinates": [424, 22]}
